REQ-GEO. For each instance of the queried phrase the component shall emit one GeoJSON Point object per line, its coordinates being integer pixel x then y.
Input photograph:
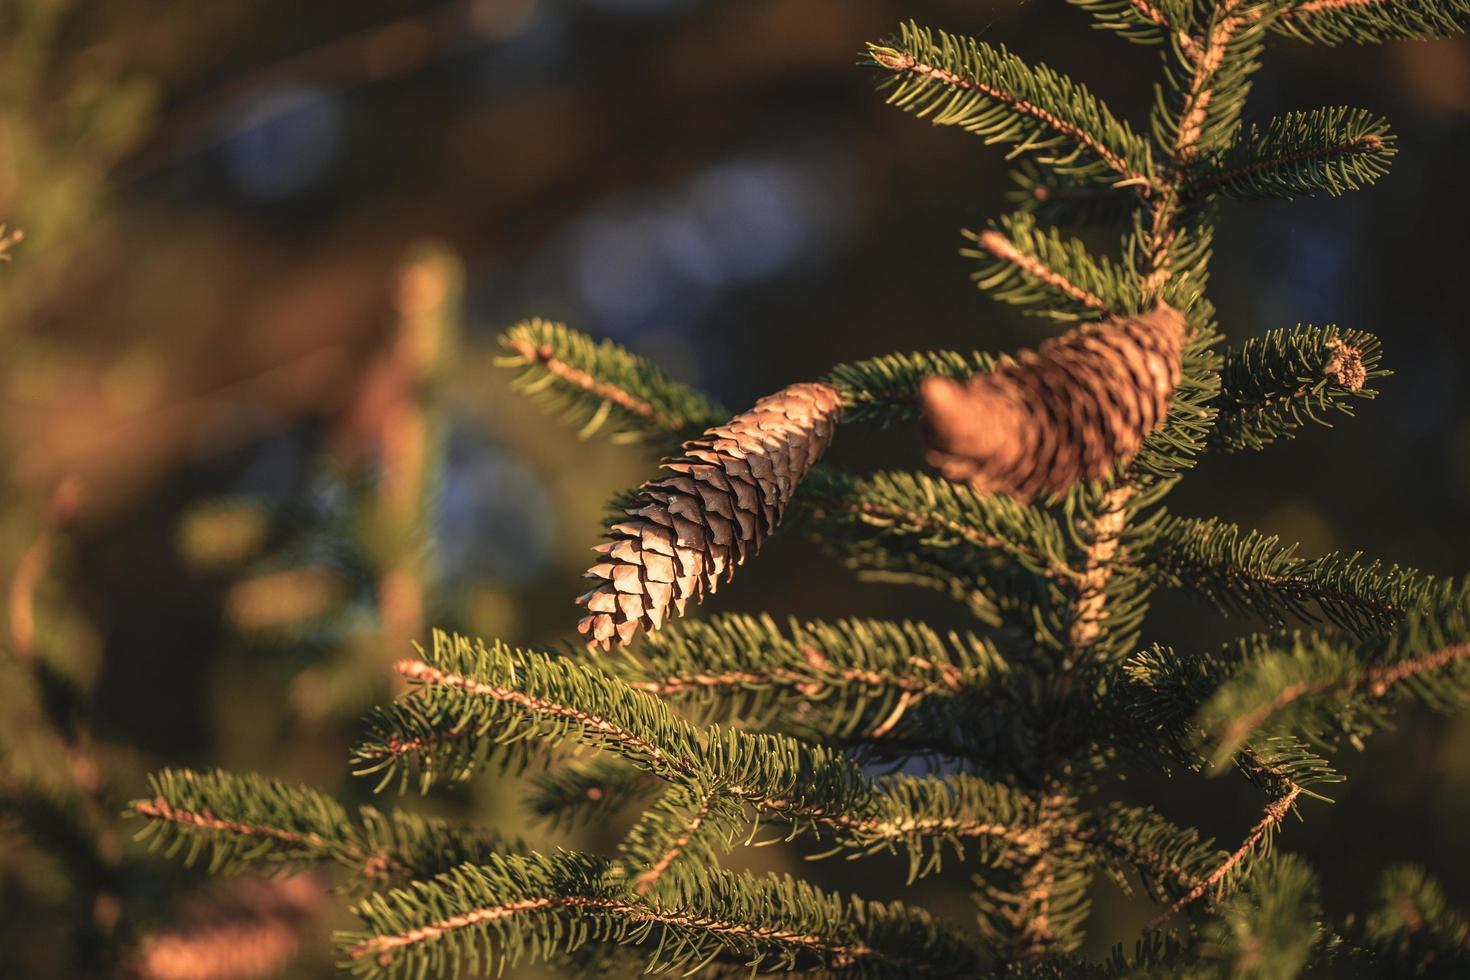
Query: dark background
{"type": "Point", "coordinates": [713, 184]}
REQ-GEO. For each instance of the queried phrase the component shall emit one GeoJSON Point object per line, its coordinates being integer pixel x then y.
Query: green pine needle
{"type": "Point", "coordinates": [1321, 151]}
{"type": "Point", "coordinates": [1373, 21]}
{"type": "Point", "coordinates": [956, 81]}
{"type": "Point", "coordinates": [602, 387]}
{"type": "Point", "coordinates": [1274, 384]}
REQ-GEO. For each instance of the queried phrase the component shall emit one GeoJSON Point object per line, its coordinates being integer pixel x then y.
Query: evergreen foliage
{"type": "Point", "coordinates": [1274, 384]}
{"type": "Point", "coordinates": [1322, 151]}
{"type": "Point", "coordinates": [601, 386]}
{"type": "Point", "coordinates": [1006, 742]}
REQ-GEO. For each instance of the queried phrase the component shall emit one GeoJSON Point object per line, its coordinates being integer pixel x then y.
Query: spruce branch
{"type": "Point", "coordinates": [1151, 707]}
{"type": "Point", "coordinates": [1414, 930]}
{"type": "Point", "coordinates": [1026, 266]}
{"type": "Point", "coordinates": [1328, 689]}
{"type": "Point", "coordinates": [541, 907]}
{"type": "Point", "coordinates": [685, 830]}
{"type": "Point", "coordinates": [846, 677]}
{"type": "Point", "coordinates": [601, 386]}
{"type": "Point", "coordinates": [1272, 927]}
{"type": "Point", "coordinates": [1274, 384]}
{"type": "Point", "coordinates": [469, 698]}
{"type": "Point", "coordinates": [1039, 907]}
{"type": "Point", "coordinates": [1330, 151]}
{"type": "Point", "coordinates": [252, 822]}
{"type": "Point", "coordinates": [1062, 199]}
{"type": "Point", "coordinates": [1372, 21]}
{"type": "Point", "coordinates": [1240, 571]}
{"type": "Point", "coordinates": [1140, 21]}
{"type": "Point", "coordinates": [1212, 86]}
{"type": "Point", "coordinates": [927, 815]}
{"type": "Point", "coordinates": [1169, 860]}
{"type": "Point", "coordinates": [939, 534]}
{"type": "Point", "coordinates": [1256, 843]}
{"type": "Point", "coordinates": [992, 93]}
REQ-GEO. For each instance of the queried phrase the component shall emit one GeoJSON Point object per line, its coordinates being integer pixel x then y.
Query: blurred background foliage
{"type": "Point", "coordinates": [255, 439]}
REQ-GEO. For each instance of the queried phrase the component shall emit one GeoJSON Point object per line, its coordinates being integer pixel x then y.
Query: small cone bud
{"type": "Point", "coordinates": [1061, 413]}
{"type": "Point", "coordinates": [719, 502]}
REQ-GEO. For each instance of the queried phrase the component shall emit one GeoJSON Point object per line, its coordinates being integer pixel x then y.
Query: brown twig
{"type": "Point", "coordinates": [1276, 811]}
{"type": "Point", "coordinates": [1380, 679]}
{"type": "Point", "coordinates": [868, 828]}
{"type": "Point", "coordinates": [1090, 609]}
{"type": "Point", "coordinates": [650, 877]}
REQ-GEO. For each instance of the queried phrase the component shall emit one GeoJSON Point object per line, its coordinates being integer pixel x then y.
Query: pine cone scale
{"type": "Point", "coordinates": [1059, 414]}
{"type": "Point", "coordinates": [718, 502]}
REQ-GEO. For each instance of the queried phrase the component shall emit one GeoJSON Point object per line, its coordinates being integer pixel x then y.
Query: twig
{"type": "Point", "coordinates": [649, 878]}
{"type": "Point", "coordinates": [1276, 811]}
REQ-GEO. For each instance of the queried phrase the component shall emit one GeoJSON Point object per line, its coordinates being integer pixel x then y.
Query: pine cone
{"type": "Point", "coordinates": [1062, 413]}
{"type": "Point", "coordinates": [727, 492]}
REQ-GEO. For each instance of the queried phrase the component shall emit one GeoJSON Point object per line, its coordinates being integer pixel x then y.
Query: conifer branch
{"type": "Point", "coordinates": [1333, 150]}
{"type": "Point", "coordinates": [1030, 267]}
{"type": "Point", "coordinates": [990, 92]}
{"type": "Point", "coordinates": [1200, 93]}
{"type": "Point", "coordinates": [1024, 265]}
{"type": "Point", "coordinates": [852, 675]}
{"type": "Point", "coordinates": [680, 842]}
{"type": "Point", "coordinates": [949, 524]}
{"type": "Point", "coordinates": [1276, 383]}
{"type": "Point", "coordinates": [547, 906]}
{"type": "Point", "coordinates": [601, 385]}
{"type": "Point", "coordinates": [1415, 930]}
{"type": "Point", "coordinates": [1141, 21]}
{"type": "Point", "coordinates": [685, 832]}
{"type": "Point", "coordinates": [1276, 811]}
{"type": "Point", "coordinates": [1062, 199]}
{"type": "Point", "coordinates": [1312, 683]}
{"type": "Point", "coordinates": [1089, 610]}
{"type": "Point", "coordinates": [253, 822]}
{"type": "Point", "coordinates": [1275, 919]}
{"type": "Point", "coordinates": [1371, 21]}
{"type": "Point", "coordinates": [1170, 860]}
{"type": "Point", "coordinates": [1241, 571]}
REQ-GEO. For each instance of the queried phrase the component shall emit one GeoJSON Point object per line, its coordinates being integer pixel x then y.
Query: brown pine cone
{"type": "Point", "coordinates": [725, 495]}
{"type": "Point", "coordinates": [1061, 413]}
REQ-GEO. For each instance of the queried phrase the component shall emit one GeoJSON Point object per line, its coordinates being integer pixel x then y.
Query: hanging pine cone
{"type": "Point", "coordinates": [725, 495]}
{"type": "Point", "coordinates": [1062, 413]}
